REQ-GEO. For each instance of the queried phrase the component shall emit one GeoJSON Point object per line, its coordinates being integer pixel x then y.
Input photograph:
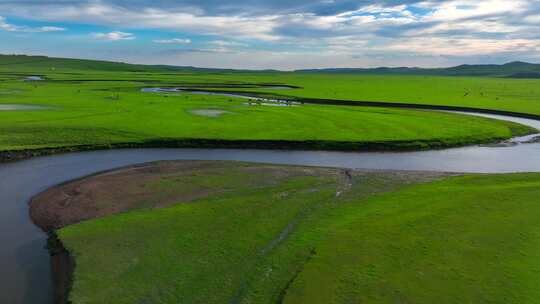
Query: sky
{"type": "Point", "coordinates": [279, 34]}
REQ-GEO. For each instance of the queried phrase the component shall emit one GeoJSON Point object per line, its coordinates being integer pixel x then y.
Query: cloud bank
{"type": "Point", "coordinates": [270, 34]}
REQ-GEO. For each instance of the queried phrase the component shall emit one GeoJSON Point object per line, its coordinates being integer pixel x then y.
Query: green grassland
{"type": "Point", "coordinates": [85, 112]}
{"type": "Point", "coordinates": [517, 95]}
{"type": "Point", "coordinates": [485, 93]}
{"type": "Point", "coordinates": [317, 238]}
{"type": "Point", "coordinates": [514, 95]}
{"type": "Point", "coordinates": [471, 239]}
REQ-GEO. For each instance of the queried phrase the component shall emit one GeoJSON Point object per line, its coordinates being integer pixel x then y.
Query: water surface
{"type": "Point", "coordinates": [33, 78]}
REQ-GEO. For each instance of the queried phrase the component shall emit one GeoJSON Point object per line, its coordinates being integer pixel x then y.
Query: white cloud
{"type": "Point", "coordinates": [460, 9]}
{"type": "Point", "coordinates": [4, 25]}
{"type": "Point", "coordinates": [189, 20]}
{"type": "Point", "coordinates": [532, 19]}
{"type": "Point", "coordinates": [464, 47]}
{"type": "Point", "coordinates": [227, 43]}
{"type": "Point", "coordinates": [45, 29]}
{"type": "Point", "coordinates": [430, 29]}
{"type": "Point", "coordinates": [173, 41]}
{"type": "Point", "coordinates": [114, 36]}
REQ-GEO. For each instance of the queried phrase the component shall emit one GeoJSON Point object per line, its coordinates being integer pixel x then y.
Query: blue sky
{"type": "Point", "coordinates": [281, 34]}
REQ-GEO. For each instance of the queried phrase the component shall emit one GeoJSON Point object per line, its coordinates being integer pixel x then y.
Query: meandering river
{"type": "Point", "coordinates": [24, 261]}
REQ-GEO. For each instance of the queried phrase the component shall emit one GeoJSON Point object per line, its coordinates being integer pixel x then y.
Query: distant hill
{"type": "Point", "coordinates": [515, 69]}
{"type": "Point", "coordinates": [24, 63]}
{"type": "Point", "coordinates": [37, 64]}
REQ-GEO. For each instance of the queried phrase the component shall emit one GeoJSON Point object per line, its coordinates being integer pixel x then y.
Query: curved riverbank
{"type": "Point", "coordinates": [315, 145]}
{"type": "Point", "coordinates": [517, 128]}
{"type": "Point", "coordinates": [62, 268]}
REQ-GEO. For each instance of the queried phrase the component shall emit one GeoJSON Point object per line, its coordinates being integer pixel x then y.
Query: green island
{"type": "Point", "coordinates": [222, 232]}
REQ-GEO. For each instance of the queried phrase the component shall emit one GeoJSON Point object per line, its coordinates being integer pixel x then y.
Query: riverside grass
{"type": "Point", "coordinates": [84, 109]}
{"type": "Point", "coordinates": [463, 239]}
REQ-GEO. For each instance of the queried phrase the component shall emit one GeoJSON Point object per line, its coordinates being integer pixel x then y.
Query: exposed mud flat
{"type": "Point", "coordinates": [138, 187]}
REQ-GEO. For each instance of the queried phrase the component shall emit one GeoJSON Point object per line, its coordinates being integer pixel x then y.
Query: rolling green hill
{"type": "Point", "coordinates": [43, 64]}
{"type": "Point", "coordinates": [30, 63]}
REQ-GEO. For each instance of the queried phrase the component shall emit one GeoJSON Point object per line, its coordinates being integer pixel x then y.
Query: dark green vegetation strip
{"type": "Point", "coordinates": [271, 234]}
